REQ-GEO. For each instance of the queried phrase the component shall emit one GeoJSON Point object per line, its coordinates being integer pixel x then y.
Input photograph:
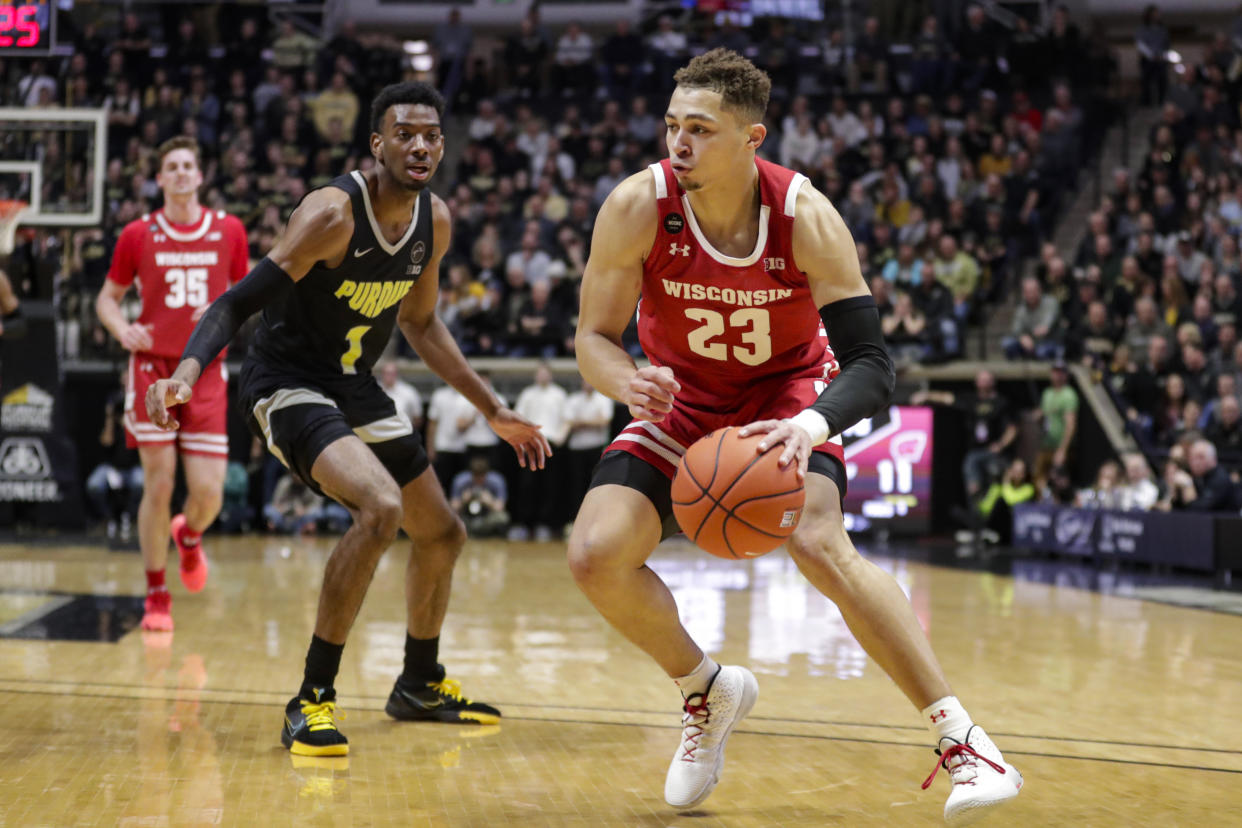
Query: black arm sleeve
{"type": "Point", "coordinates": [262, 286]}
{"type": "Point", "coordinates": [865, 384]}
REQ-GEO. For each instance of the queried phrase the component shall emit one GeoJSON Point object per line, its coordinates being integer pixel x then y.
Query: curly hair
{"type": "Point", "coordinates": [743, 87]}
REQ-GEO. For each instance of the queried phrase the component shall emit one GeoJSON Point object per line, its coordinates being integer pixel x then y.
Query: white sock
{"type": "Point", "coordinates": [698, 679]}
{"type": "Point", "coordinates": [947, 717]}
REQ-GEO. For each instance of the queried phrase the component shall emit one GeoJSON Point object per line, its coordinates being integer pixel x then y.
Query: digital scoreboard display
{"type": "Point", "coordinates": [888, 460]}
{"type": "Point", "coordinates": [27, 29]}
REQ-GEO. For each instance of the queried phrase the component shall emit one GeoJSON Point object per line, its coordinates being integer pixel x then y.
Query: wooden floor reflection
{"type": "Point", "coordinates": [1118, 712]}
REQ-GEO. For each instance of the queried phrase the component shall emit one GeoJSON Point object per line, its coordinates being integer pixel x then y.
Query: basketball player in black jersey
{"type": "Point", "coordinates": [358, 255]}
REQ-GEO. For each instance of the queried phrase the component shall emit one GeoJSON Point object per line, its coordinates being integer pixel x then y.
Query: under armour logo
{"type": "Point", "coordinates": [938, 715]}
{"type": "Point", "coordinates": [675, 249]}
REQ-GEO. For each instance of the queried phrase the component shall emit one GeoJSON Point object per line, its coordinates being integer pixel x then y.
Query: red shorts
{"type": "Point", "coordinates": [204, 419]}
{"type": "Point", "coordinates": [662, 444]}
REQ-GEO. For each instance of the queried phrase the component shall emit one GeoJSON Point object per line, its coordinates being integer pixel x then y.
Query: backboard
{"type": "Point", "coordinates": [55, 159]}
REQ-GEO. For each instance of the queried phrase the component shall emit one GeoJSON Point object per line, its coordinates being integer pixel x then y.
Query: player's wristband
{"type": "Point", "coordinates": [814, 424]}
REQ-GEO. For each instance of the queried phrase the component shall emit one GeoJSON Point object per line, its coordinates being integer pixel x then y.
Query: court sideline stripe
{"type": "Point", "coordinates": [920, 745]}
{"type": "Point", "coordinates": [277, 696]}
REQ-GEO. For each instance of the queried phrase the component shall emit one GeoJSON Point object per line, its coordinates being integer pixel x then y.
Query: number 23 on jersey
{"type": "Point", "coordinates": [756, 335]}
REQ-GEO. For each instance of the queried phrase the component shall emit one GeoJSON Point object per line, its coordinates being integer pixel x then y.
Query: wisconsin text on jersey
{"type": "Point", "coordinates": [370, 299]}
{"type": "Point", "coordinates": [728, 296]}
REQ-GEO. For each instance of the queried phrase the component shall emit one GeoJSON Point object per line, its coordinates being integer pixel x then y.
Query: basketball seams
{"type": "Point", "coordinates": [719, 501]}
{"type": "Point", "coordinates": [707, 491]}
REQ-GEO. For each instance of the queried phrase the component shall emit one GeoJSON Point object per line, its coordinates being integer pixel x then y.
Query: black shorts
{"type": "Point", "coordinates": [298, 416]}
{"type": "Point", "coordinates": [621, 468]}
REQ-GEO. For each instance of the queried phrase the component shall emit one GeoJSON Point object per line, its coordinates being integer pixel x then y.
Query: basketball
{"type": "Point", "coordinates": [732, 501]}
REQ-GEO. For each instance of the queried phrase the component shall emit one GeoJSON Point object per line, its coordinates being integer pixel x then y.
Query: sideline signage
{"type": "Point", "coordinates": [1171, 538]}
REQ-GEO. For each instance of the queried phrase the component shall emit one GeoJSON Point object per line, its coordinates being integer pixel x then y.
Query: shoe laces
{"type": "Point", "coordinates": [964, 770]}
{"type": "Point", "coordinates": [449, 687]}
{"type": "Point", "coordinates": [694, 717]}
{"type": "Point", "coordinates": [320, 716]}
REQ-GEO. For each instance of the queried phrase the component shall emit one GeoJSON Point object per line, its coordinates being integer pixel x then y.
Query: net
{"type": "Point", "coordinates": [11, 212]}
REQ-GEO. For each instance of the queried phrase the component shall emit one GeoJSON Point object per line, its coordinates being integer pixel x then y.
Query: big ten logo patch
{"type": "Point", "coordinates": [773, 263]}
{"type": "Point", "coordinates": [416, 257]}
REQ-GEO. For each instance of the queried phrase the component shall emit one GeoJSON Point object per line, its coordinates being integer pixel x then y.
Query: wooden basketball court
{"type": "Point", "coordinates": [1118, 711]}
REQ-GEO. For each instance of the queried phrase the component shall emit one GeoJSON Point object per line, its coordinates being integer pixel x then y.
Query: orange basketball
{"type": "Point", "coordinates": [733, 501]}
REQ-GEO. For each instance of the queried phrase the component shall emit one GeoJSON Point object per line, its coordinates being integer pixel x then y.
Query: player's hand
{"type": "Point", "coordinates": [137, 337]}
{"type": "Point", "coordinates": [526, 438]}
{"type": "Point", "coordinates": [649, 394]}
{"type": "Point", "coordinates": [162, 395]}
{"type": "Point", "coordinates": [796, 439]}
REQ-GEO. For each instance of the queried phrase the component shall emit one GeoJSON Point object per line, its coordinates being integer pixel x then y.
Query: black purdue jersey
{"type": "Point", "coordinates": [338, 320]}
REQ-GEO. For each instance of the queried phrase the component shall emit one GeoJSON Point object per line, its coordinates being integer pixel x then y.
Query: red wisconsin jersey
{"type": "Point", "coordinates": [179, 269]}
{"type": "Point", "coordinates": [724, 324]}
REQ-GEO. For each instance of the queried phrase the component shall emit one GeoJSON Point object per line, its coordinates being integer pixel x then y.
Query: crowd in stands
{"type": "Point", "coordinates": [949, 163]}
{"type": "Point", "coordinates": [1151, 300]}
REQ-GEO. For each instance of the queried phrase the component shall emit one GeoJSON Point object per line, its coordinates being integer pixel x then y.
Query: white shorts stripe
{"type": "Point", "coordinates": [204, 436]}
{"type": "Point", "coordinates": [389, 428]}
{"type": "Point", "coordinates": [165, 437]}
{"type": "Point", "coordinates": [659, 450]}
{"type": "Point", "coordinates": [284, 398]}
{"type": "Point", "coordinates": [656, 432]}
{"type": "Point", "coordinates": [212, 448]}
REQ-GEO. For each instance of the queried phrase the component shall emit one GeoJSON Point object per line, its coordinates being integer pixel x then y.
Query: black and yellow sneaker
{"type": "Point", "coordinates": [310, 726]}
{"type": "Point", "coordinates": [438, 701]}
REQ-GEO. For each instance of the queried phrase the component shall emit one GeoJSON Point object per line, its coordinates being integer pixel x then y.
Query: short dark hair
{"type": "Point", "coordinates": [177, 143]}
{"type": "Point", "coordinates": [415, 92]}
{"type": "Point", "coordinates": [743, 86]}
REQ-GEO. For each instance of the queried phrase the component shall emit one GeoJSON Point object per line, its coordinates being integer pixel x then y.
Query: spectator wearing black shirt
{"type": "Point", "coordinates": [1224, 430]}
{"type": "Point", "coordinates": [526, 57]}
{"type": "Point", "coordinates": [1093, 339]}
{"type": "Point", "coordinates": [621, 58]}
{"type": "Point", "coordinates": [1207, 488]}
{"type": "Point", "coordinates": [992, 428]}
{"type": "Point", "coordinates": [935, 302]}
{"type": "Point", "coordinates": [114, 487]}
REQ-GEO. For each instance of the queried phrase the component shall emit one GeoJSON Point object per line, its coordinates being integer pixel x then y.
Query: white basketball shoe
{"type": "Point", "coordinates": [981, 777]}
{"type": "Point", "coordinates": [706, 724]}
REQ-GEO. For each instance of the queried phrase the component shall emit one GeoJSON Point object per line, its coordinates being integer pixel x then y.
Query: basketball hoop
{"type": "Point", "coordinates": [11, 212]}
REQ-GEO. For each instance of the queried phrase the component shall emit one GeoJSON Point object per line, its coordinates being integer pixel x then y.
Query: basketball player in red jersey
{"type": "Point", "coordinates": [739, 263]}
{"type": "Point", "coordinates": [183, 256]}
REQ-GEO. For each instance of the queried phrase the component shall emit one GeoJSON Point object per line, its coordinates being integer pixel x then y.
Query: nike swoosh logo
{"type": "Point", "coordinates": [360, 253]}
{"type": "Point", "coordinates": [430, 705]}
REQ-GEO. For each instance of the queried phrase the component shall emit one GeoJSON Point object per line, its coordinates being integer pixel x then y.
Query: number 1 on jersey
{"type": "Point", "coordinates": [354, 340]}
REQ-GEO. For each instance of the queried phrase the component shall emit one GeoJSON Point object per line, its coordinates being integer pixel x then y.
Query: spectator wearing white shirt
{"type": "Point", "coordinates": [37, 86]}
{"type": "Point", "coordinates": [572, 70]}
{"type": "Point", "coordinates": [405, 396]}
{"type": "Point", "coordinates": [845, 124]}
{"type": "Point", "coordinates": [446, 437]}
{"type": "Point", "coordinates": [800, 144]}
{"type": "Point", "coordinates": [479, 437]}
{"type": "Point", "coordinates": [483, 124]}
{"type": "Point", "coordinates": [1140, 492]}
{"type": "Point", "coordinates": [589, 415]}
{"type": "Point", "coordinates": [539, 493]}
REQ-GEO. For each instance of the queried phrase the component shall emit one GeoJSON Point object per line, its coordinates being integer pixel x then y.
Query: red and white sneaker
{"type": "Point", "coordinates": [707, 721]}
{"type": "Point", "coordinates": [981, 777]}
{"type": "Point", "coordinates": [157, 612]}
{"type": "Point", "coordinates": [193, 561]}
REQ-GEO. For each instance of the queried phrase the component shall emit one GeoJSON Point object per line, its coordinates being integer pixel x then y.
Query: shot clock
{"type": "Point", "coordinates": [27, 29]}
